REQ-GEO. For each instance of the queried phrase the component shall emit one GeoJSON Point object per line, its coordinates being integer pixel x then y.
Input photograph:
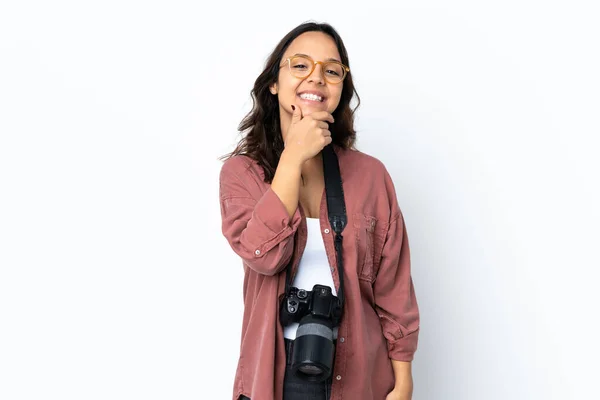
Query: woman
{"type": "Point", "coordinates": [274, 213]}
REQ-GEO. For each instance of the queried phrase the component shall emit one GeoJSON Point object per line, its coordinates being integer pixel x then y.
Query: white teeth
{"type": "Point", "coordinates": [309, 96]}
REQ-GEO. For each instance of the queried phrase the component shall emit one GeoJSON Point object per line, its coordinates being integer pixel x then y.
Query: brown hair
{"type": "Point", "coordinates": [262, 140]}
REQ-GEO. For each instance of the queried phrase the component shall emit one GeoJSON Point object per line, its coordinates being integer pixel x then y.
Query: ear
{"type": "Point", "coordinates": [273, 88]}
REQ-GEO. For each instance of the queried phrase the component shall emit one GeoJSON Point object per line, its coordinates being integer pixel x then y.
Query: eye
{"type": "Point", "coordinates": [300, 66]}
{"type": "Point", "coordinates": [332, 72]}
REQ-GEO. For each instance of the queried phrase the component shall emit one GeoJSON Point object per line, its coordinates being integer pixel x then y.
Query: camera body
{"type": "Point", "coordinates": [319, 302]}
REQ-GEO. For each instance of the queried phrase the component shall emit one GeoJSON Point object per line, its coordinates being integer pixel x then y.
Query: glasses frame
{"type": "Point", "coordinates": [313, 64]}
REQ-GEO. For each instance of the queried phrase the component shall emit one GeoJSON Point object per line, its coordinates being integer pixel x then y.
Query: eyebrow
{"type": "Point", "coordinates": [328, 59]}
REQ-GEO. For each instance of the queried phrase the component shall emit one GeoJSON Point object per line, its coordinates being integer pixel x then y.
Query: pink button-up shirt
{"type": "Point", "coordinates": [381, 316]}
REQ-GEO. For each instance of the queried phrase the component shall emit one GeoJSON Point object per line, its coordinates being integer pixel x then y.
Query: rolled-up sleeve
{"type": "Point", "coordinates": [395, 299]}
{"type": "Point", "coordinates": [259, 230]}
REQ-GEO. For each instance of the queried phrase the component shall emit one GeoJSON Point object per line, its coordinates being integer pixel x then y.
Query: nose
{"type": "Point", "coordinates": [317, 75]}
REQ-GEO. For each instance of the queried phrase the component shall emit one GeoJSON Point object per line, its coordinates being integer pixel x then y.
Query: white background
{"type": "Point", "coordinates": [115, 280]}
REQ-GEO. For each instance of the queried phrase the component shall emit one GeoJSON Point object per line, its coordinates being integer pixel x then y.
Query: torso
{"type": "Point", "coordinates": [312, 187]}
{"type": "Point", "coordinates": [310, 199]}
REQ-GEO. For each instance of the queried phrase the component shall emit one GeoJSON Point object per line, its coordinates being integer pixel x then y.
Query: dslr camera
{"type": "Point", "coordinates": [317, 312]}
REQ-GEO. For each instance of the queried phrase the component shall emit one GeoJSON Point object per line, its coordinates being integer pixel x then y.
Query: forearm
{"type": "Point", "coordinates": [403, 377]}
{"type": "Point", "coordinates": [286, 182]}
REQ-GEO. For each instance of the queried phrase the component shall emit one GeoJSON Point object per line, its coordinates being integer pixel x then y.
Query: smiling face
{"type": "Point", "coordinates": [312, 93]}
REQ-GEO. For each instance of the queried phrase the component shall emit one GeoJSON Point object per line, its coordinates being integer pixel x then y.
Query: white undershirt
{"type": "Point", "coordinates": [313, 269]}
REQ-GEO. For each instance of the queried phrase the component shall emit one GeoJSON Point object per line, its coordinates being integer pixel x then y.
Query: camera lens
{"type": "Point", "coordinates": [313, 351]}
{"type": "Point", "coordinates": [310, 370]}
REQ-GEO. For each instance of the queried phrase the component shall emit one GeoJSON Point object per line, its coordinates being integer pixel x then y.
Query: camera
{"type": "Point", "coordinates": [317, 312]}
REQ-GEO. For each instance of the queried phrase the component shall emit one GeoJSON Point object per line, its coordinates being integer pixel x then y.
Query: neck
{"type": "Point", "coordinates": [312, 170]}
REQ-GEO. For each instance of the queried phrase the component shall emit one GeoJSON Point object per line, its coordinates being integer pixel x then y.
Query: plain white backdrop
{"type": "Point", "coordinates": [115, 280]}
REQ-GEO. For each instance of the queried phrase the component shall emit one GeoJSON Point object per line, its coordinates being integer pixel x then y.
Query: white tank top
{"type": "Point", "coordinates": [313, 269]}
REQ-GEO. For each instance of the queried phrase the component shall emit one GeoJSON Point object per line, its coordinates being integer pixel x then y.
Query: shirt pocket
{"type": "Point", "coordinates": [368, 240]}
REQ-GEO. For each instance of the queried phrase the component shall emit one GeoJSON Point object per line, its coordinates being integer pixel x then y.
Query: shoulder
{"type": "Point", "coordinates": [359, 163]}
{"type": "Point", "coordinates": [238, 166]}
{"type": "Point", "coordinates": [369, 182]}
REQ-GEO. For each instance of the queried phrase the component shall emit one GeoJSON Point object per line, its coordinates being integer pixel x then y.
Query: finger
{"type": "Point", "coordinates": [323, 125]}
{"type": "Point", "coordinates": [326, 133]}
{"type": "Point", "coordinates": [322, 116]}
{"type": "Point", "coordinates": [297, 115]}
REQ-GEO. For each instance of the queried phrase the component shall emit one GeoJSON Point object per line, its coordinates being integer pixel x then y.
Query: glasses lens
{"type": "Point", "coordinates": [301, 67]}
{"type": "Point", "coordinates": [334, 72]}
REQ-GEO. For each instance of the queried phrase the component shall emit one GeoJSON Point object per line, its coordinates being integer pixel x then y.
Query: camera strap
{"type": "Point", "coordinates": [336, 210]}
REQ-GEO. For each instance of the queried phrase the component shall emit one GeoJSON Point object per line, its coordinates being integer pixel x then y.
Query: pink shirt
{"type": "Point", "coordinates": [381, 315]}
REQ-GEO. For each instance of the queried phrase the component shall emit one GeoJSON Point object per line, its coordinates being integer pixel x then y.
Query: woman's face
{"type": "Point", "coordinates": [320, 47]}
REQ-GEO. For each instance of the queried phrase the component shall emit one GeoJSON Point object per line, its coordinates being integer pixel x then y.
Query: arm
{"type": "Point", "coordinates": [286, 182]}
{"type": "Point", "coordinates": [403, 388]}
{"type": "Point", "coordinates": [396, 305]}
{"type": "Point", "coordinates": [260, 230]}
{"type": "Point", "coordinates": [395, 300]}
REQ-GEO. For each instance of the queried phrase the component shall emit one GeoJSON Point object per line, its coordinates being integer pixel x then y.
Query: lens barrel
{"type": "Point", "coordinates": [314, 349]}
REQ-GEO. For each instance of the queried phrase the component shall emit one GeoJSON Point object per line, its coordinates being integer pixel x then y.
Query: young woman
{"type": "Point", "coordinates": [274, 214]}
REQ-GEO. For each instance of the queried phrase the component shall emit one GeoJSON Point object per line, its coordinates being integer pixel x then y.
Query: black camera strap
{"type": "Point", "coordinates": [336, 210]}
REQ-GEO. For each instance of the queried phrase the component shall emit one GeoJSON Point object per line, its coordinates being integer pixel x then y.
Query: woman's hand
{"type": "Point", "coordinates": [399, 394]}
{"type": "Point", "coordinates": [307, 136]}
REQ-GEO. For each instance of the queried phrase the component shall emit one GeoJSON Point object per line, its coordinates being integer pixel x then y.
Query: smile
{"type": "Point", "coordinates": [312, 97]}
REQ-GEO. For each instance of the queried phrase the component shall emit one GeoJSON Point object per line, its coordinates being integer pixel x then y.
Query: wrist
{"type": "Point", "coordinates": [405, 386]}
{"type": "Point", "coordinates": [291, 159]}
{"type": "Point", "coordinates": [403, 376]}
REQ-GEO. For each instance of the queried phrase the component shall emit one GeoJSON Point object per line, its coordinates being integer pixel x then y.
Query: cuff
{"type": "Point", "coordinates": [271, 213]}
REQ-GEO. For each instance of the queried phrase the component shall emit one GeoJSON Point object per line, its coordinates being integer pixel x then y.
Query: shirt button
{"type": "Point", "coordinates": [326, 230]}
{"type": "Point", "coordinates": [342, 339]}
{"type": "Point", "coordinates": [257, 252]}
{"type": "Point", "coordinates": [338, 377]}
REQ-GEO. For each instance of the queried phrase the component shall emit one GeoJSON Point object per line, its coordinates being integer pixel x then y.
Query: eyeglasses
{"type": "Point", "coordinates": [302, 66]}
